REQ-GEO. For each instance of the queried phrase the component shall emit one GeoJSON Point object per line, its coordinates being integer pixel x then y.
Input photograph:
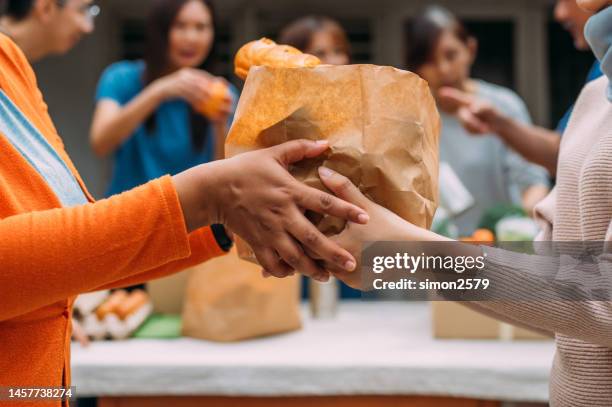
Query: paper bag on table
{"type": "Point", "coordinates": [227, 299]}
{"type": "Point", "coordinates": [381, 122]}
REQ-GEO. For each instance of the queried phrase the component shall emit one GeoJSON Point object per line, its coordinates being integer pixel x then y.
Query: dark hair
{"type": "Point", "coordinates": [425, 31]}
{"type": "Point", "coordinates": [17, 9]}
{"type": "Point", "coordinates": [160, 20]}
{"type": "Point", "coordinates": [299, 33]}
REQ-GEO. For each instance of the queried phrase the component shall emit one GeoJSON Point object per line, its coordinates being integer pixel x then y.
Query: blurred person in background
{"type": "Point", "coordinates": [442, 52]}
{"type": "Point", "coordinates": [47, 27]}
{"type": "Point", "coordinates": [145, 115]}
{"type": "Point", "coordinates": [536, 144]}
{"type": "Point", "coordinates": [320, 36]}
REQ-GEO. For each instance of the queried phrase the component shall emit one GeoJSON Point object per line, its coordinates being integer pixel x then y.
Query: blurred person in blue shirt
{"type": "Point", "coordinates": [145, 113]}
{"type": "Point", "coordinates": [536, 144]}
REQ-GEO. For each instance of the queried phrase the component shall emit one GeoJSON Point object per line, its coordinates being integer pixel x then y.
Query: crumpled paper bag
{"type": "Point", "coordinates": [228, 300]}
{"type": "Point", "coordinates": [381, 122]}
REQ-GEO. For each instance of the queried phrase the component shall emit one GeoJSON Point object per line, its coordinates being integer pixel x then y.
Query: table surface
{"type": "Point", "coordinates": [371, 348]}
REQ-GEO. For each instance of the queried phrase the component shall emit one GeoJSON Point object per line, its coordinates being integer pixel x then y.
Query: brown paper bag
{"type": "Point", "coordinates": [227, 299]}
{"type": "Point", "coordinates": [381, 122]}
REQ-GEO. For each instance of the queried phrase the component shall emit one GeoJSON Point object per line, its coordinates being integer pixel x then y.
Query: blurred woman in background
{"type": "Point", "coordinates": [442, 52]}
{"type": "Point", "coordinates": [146, 113]}
{"type": "Point", "coordinates": [318, 36]}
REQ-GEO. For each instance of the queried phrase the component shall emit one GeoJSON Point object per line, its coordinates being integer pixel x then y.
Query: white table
{"type": "Point", "coordinates": [371, 349]}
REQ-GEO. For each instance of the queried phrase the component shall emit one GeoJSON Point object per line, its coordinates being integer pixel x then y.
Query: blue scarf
{"type": "Point", "coordinates": [598, 32]}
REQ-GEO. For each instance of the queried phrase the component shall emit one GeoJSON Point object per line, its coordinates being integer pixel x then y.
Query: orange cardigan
{"type": "Point", "coordinates": [49, 254]}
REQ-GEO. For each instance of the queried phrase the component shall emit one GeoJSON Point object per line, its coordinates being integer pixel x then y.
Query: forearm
{"type": "Point", "coordinates": [204, 247]}
{"type": "Point", "coordinates": [522, 289]}
{"type": "Point", "coordinates": [195, 188]}
{"type": "Point", "coordinates": [109, 131]}
{"type": "Point", "coordinates": [555, 294]}
{"type": "Point", "coordinates": [50, 255]}
{"type": "Point", "coordinates": [536, 144]}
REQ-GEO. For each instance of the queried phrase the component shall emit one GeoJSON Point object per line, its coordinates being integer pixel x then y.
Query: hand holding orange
{"type": "Point", "coordinates": [219, 103]}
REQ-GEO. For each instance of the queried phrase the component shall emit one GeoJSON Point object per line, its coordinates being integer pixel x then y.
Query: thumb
{"type": "Point", "coordinates": [297, 150]}
{"type": "Point", "coordinates": [342, 187]}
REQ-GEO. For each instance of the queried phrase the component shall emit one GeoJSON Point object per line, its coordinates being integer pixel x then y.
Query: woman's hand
{"type": "Point", "coordinates": [384, 225]}
{"type": "Point", "coordinates": [189, 84]}
{"type": "Point", "coordinates": [477, 116]}
{"type": "Point", "coordinates": [254, 195]}
{"type": "Point", "coordinates": [113, 124]}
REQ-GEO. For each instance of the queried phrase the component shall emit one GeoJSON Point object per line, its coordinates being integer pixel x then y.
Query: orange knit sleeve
{"type": "Point", "coordinates": [203, 247]}
{"type": "Point", "coordinates": [50, 255]}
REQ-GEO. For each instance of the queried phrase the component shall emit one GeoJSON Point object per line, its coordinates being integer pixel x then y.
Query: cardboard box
{"type": "Point", "coordinates": [452, 320]}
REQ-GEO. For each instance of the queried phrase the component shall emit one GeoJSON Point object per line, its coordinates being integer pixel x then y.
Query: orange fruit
{"type": "Point", "coordinates": [483, 235]}
{"type": "Point", "coordinates": [219, 94]}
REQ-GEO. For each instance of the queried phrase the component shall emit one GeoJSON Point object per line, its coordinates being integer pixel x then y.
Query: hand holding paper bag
{"type": "Point", "coordinates": [381, 123]}
{"type": "Point", "coordinates": [255, 196]}
{"type": "Point", "coordinates": [384, 226]}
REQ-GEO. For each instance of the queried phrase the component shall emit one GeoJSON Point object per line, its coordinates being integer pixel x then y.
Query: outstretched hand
{"type": "Point", "coordinates": [255, 196]}
{"type": "Point", "coordinates": [477, 116]}
{"type": "Point", "coordinates": [384, 225]}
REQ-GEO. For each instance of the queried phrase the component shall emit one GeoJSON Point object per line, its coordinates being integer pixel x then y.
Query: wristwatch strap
{"type": "Point", "coordinates": [223, 240]}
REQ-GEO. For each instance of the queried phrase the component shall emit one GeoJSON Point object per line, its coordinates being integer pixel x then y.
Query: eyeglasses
{"type": "Point", "coordinates": [92, 11]}
{"type": "Point", "coordinates": [88, 10]}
